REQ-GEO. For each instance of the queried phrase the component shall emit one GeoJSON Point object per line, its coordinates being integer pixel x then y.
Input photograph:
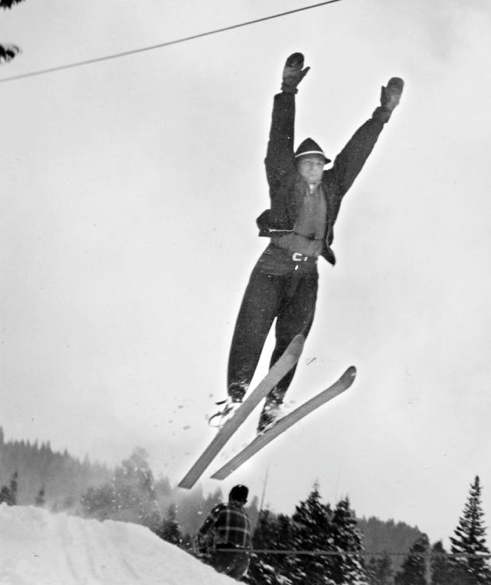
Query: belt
{"type": "Point", "coordinates": [298, 257]}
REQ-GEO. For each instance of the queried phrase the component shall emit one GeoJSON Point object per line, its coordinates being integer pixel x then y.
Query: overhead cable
{"type": "Point", "coordinates": [161, 45]}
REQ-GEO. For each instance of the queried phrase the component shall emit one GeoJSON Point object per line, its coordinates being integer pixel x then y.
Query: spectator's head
{"type": "Point", "coordinates": [239, 493]}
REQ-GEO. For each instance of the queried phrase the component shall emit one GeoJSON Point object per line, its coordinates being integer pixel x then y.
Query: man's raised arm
{"type": "Point", "coordinates": [279, 156]}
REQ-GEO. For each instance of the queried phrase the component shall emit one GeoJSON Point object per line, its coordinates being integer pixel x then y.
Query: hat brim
{"type": "Point", "coordinates": [313, 152]}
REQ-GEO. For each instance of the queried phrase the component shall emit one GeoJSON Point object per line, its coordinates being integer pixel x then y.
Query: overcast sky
{"type": "Point", "coordinates": [129, 192]}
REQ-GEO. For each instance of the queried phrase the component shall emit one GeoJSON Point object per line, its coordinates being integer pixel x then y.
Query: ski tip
{"type": "Point", "coordinates": [350, 373]}
{"type": "Point", "coordinates": [298, 340]}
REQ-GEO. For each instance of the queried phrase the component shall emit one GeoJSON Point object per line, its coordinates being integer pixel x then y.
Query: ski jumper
{"type": "Point", "coordinates": [283, 284]}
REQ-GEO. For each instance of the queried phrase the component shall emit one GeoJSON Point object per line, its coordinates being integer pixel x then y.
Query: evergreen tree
{"type": "Point", "coordinates": [7, 51]}
{"type": "Point", "coordinates": [191, 509]}
{"type": "Point", "coordinates": [313, 532]}
{"type": "Point", "coordinates": [414, 567]}
{"type": "Point", "coordinates": [388, 537]}
{"type": "Point", "coordinates": [213, 499]}
{"type": "Point", "coordinates": [134, 487]}
{"type": "Point", "coordinates": [8, 494]}
{"type": "Point", "coordinates": [470, 539]}
{"type": "Point", "coordinates": [349, 568]}
{"type": "Point", "coordinates": [441, 566]}
{"type": "Point", "coordinates": [5, 495]}
{"type": "Point", "coordinates": [380, 570]}
{"type": "Point", "coordinates": [129, 497]}
{"type": "Point", "coordinates": [272, 533]}
{"type": "Point", "coordinates": [170, 529]}
{"type": "Point", "coordinates": [14, 486]}
{"type": "Point", "coordinates": [40, 498]}
{"type": "Point", "coordinates": [262, 566]}
{"type": "Point", "coordinates": [285, 541]}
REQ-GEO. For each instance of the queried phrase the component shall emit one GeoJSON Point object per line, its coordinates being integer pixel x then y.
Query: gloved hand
{"type": "Point", "coordinates": [391, 94]}
{"type": "Point", "coordinates": [389, 99]}
{"type": "Point", "coordinates": [293, 73]}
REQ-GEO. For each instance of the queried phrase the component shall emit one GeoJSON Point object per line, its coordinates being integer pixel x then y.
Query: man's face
{"type": "Point", "coordinates": [311, 168]}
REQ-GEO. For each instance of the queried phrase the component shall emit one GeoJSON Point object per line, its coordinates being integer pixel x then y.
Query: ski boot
{"type": "Point", "coordinates": [270, 414]}
{"type": "Point", "coordinates": [228, 406]}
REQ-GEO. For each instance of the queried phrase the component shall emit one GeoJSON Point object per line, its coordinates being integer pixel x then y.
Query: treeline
{"type": "Point", "coordinates": [320, 544]}
{"type": "Point", "coordinates": [387, 536]}
{"type": "Point", "coordinates": [62, 482]}
{"type": "Point", "coordinates": [299, 549]}
{"type": "Point", "coordinates": [61, 477]}
{"type": "Point", "coordinates": [133, 495]}
{"type": "Point", "coordinates": [33, 474]}
{"type": "Point", "coordinates": [323, 545]}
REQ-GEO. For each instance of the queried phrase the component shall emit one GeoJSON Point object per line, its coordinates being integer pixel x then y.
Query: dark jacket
{"type": "Point", "coordinates": [287, 187]}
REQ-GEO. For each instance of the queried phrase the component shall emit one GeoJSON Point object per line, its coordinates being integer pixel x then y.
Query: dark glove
{"type": "Point", "coordinates": [389, 99]}
{"type": "Point", "coordinates": [293, 73]}
{"type": "Point", "coordinates": [391, 94]}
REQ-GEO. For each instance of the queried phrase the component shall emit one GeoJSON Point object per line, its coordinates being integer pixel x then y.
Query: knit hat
{"type": "Point", "coordinates": [309, 146]}
{"type": "Point", "coordinates": [239, 493]}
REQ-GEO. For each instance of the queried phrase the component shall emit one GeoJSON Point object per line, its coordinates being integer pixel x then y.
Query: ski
{"type": "Point", "coordinates": [285, 363]}
{"type": "Point", "coordinates": [284, 423]}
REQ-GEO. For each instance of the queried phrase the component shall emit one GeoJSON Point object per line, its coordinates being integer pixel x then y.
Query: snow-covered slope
{"type": "Point", "coordinates": [41, 548]}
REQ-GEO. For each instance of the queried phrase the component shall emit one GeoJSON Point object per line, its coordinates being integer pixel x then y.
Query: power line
{"type": "Point", "coordinates": [161, 45]}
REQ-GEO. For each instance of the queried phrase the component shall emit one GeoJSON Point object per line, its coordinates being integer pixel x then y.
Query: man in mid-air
{"type": "Point", "coordinates": [304, 203]}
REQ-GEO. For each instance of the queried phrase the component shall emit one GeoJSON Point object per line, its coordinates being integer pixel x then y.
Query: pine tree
{"type": "Point", "coordinates": [414, 567]}
{"type": "Point", "coordinates": [272, 533]}
{"type": "Point", "coordinates": [389, 537]}
{"type": "Point", "coordinates": [261, 568]}
{"type": "Point", "coordinates": [313, 532]}
{"type": "Point", "coordinates": [14, 487]}
{"type": "Point", "coordinates": [349, 568]}
{"type": "Point", "coordinates": [441, 566]}
{"type": "Point", "coordinates": [8, 494]}
{"type": "Point", "coordinates": [41, 497]}
{"type": "Point", "coordinates": [170, 529]}
{"type": "Point", "coordinates": [380, 571]}
{"type": "Point", "coordinates": [99, 503]}
{"type": "Point", "coordinates": [129, 497]}
{"type": "Point", "coordinates": [470, 539]}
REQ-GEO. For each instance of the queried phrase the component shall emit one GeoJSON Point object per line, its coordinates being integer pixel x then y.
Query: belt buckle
{"type": "Point", "coordinates": [297, 257]}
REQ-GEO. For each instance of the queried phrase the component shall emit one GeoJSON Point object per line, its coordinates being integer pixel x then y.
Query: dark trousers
{"type": "Point", "coordinates": [233, 564]}
{"type": "Point", "coordinates": [279, 288]}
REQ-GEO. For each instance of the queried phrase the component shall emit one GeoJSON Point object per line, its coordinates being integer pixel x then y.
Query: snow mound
{"type": "Point", "coordinates": [38, 547]}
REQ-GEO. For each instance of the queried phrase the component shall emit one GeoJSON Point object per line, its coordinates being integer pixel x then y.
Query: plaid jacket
{"type": "Point", "coordinates": [227, 525]}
